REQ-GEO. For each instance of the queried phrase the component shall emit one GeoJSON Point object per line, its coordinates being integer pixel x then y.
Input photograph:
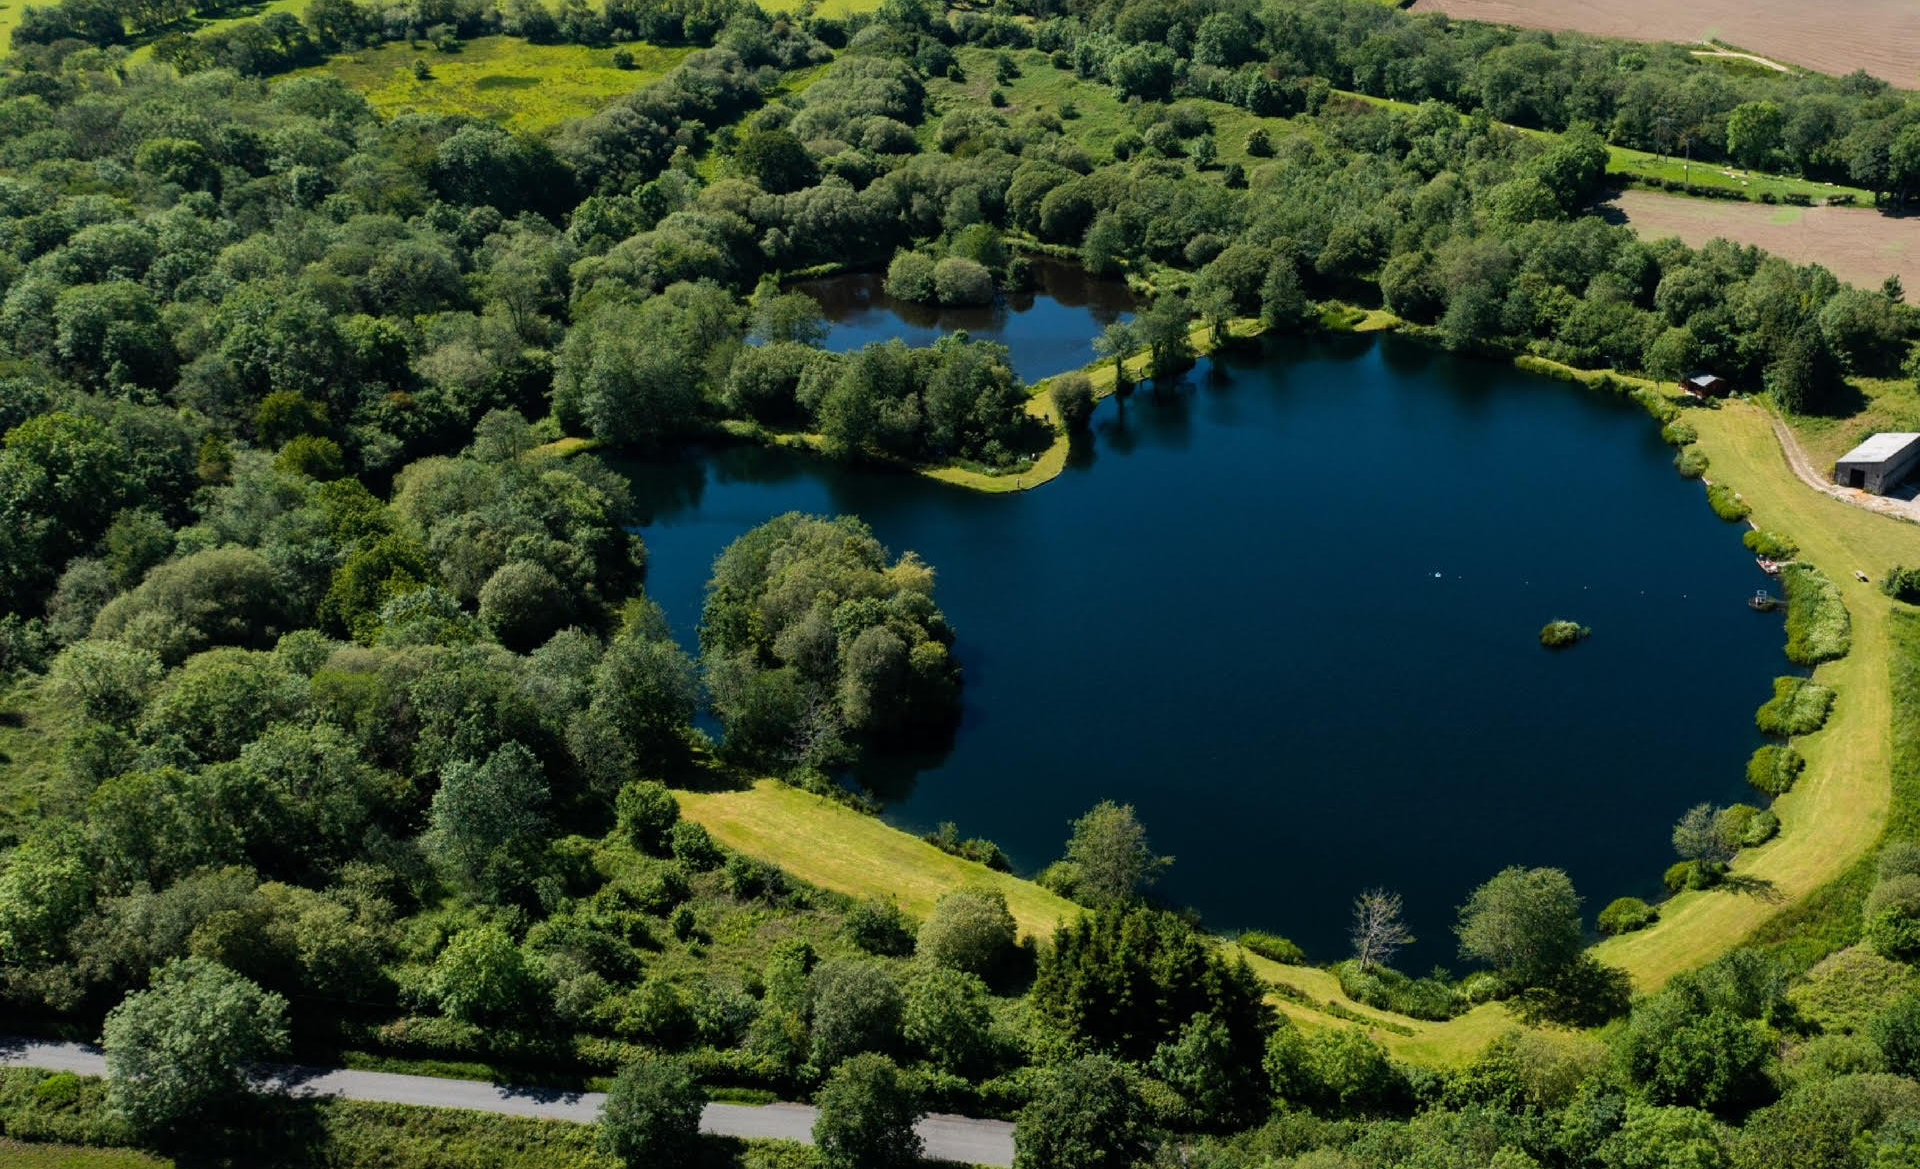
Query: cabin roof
{"type": "Point", "coordinates": [1881, 447]}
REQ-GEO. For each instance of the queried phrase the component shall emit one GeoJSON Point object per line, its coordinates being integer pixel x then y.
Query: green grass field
{"type": "Point", "coordinates": [1723, 176]}
{"type": "Point", "coordinates": [527, 87]}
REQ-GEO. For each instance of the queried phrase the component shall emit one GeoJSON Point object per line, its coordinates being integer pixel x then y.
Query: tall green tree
{"type": "Point", "coordinates": [178, 1052]}
{"type": "Point", "coordinates": [1525, 923]}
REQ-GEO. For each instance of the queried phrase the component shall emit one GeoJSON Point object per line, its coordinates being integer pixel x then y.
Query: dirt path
{"type": "Point", "coordinates": [1901, 509]}
{"type": "Point", "coordinates": [1776, 66]}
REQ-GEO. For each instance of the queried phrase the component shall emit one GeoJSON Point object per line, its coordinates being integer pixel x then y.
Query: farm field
{"type": "Point", "coordinates": [1858, 244]}
{"type": "Point", "coordinates": [1835, 36]}
{"type": "Point", "coordinates": [520, 85]}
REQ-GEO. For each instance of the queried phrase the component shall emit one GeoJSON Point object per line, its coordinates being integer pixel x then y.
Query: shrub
{"type": "Point", "coordinates": [1691, 462]}
{"type": "Point", "coordinates": [970, 930]}
{"type": "Point", "coordinates": [693, 847]}
{"type": "Point", "coordinates": [1798, 707]}
{"type": "Point", "coordinates": [1899, 858]}
{"type": "Point", "coordinates": [1818, 627]}
{"type": "Point", "coordinates": [1679, 433]}
{"type": "Point", "coordinates": [910, 277]}
{"type": "Point", "coordinates": [879, 927]}
{"type": "Point", "coordinates": [1770, 545]}
{"type": "Point", "coordinates": [1389, 990]}
{"type": "Point", "coordinates": [978, 850]}
{"type": "Point", "coordinates": [646, 812]}
{"type": "Point", "coordinates": [1560, 634]}
{"type": "Point", "coordinates": [1761, 827]}
{"type": "Point", "coordinates": [1775, 768]}
{"type": "Point", "coordinates": [1626, 914]}
{"type": "Point", "coordinates": [1726, 503]}
{"type": "Point", "coordinates": [1679, 876]}
{"type": "Point", "coordinates": [1902, 584]}
{"type": "Point", "coordinates": [1072, 396]}
{"type": "Point", "coordinates": [1274, 948]}
{"type": "Point", "coordinates": [960, 281]}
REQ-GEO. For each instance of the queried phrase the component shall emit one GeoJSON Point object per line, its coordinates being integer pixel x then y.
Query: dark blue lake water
{"type": "Point", "coordinates": [1047, 330]}
{"type": "Point", "coordinates": [1289, 609]}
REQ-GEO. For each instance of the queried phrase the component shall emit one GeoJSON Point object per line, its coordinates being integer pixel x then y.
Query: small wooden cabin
{"type": "Point", "coordinates": [1706, 385]}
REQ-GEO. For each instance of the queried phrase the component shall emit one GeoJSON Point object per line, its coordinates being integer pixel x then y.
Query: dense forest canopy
{"type": "Point", "coordinates": [350, 689]}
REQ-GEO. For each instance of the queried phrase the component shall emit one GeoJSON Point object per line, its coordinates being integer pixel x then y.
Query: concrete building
{"type": "Point", "coordinates": [1878, 464]}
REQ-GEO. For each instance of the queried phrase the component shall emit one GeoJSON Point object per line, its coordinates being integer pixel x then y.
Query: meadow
{"type": "Point", "coordinates": [524, 86]}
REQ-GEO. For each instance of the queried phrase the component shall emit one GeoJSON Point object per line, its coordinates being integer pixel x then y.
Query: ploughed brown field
{"type": "Point", "coordinates": [1857, 244]}
{"type": "Point", "coordinates": [1832, 36]}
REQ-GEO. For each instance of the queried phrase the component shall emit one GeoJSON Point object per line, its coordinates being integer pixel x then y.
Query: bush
{"type": "Point", "coordinates": [1626, 914]}
{"type": "Point", "coordinates": [1761, 827]}
{"type": "Point", "coordinates": [1798, 707]}
{"type": "Point", "coordinates": [1389, 990]}
{"type": "Point", "coordinates": [1818, 627]}
{"type": "Point", "coordinates": [646, 813]}
{"type": "Point", "coordinates": [1679, 876]}
{"type": "Point", "coordinates": [1770, 545]}
{"type": "Point", "coordinates": [1726, 503]}
{"type": "Point", "coordinates": [970, 930]}
{"type": "Point", "coordinates": [1679, 433]}
{"type": "Point", "coordinates": [1691, 462]}
{"type": "Point", "coordinates": [879, 927]}
{"type": "Point", "coordinates": [1561, 634]}
{"type": "Point", "coordinates": [1775, 768]}
{"type": "Point", "coordinates": [910, 277]}
{"type": "Point", "coordinates": [1274, 948]}
{"type": "Point", "coordinates": [1072, 395]}
{"type": "Point", "coordinates": [693, 847]}
{"type": "Point", "coordinates": [1902, 584]}
{"type": "Point", "coordinates": [960, 281]}
{"type": "Point", "coordinates": [1899, 858]}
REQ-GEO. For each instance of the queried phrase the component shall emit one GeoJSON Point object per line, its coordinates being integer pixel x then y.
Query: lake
{"type": "Point", "coordinates": [1289, 609]}
{"type": "Point", "coordinates": [1048, 329]}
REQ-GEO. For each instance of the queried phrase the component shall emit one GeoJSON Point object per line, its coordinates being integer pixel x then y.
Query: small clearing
{"type": "Point", "coordinates": [1858, 244]}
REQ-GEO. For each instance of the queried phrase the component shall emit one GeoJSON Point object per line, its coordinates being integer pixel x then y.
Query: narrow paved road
{"type": "Point", "coordinates": [948, 1138]}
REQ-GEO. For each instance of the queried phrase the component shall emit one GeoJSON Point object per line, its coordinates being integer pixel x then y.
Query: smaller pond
{"type": "Point", "coordinates": [1049, 329]}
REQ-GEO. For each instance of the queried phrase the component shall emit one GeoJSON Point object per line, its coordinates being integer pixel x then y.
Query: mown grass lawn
{"type": "Point", "coordinates": [837, 848]}
{"type": "Point", "coordinates": [1835, 814]}
{"type": "Point", "coordinates": [524, 86]}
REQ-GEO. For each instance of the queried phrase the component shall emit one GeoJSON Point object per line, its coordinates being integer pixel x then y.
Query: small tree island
{"type": "Point", "coordinates": [1561, 634]}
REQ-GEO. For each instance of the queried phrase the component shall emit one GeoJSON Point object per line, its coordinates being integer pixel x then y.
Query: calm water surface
{"type": "Point", "coordinates": [1288, 608]}
{"type": "Point", "coordinates": [1048, 330]}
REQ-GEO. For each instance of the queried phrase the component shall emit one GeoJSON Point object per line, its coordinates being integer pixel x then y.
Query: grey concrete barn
{"type": "Point", "coordinates": [1878, 464]}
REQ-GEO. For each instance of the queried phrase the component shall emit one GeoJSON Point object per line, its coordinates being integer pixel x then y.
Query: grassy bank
{"type": "Point", "coordinates": [1835, 814]}
{"type": "Point", "coordinates": [832, 846]}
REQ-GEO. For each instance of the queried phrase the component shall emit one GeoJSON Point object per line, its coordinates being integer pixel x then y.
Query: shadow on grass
{"type": "Point", "coordinates": [1759, 887]}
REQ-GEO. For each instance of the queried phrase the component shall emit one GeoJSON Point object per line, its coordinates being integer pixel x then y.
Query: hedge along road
{"type": "Point", "coordinates": [948, 1138]}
